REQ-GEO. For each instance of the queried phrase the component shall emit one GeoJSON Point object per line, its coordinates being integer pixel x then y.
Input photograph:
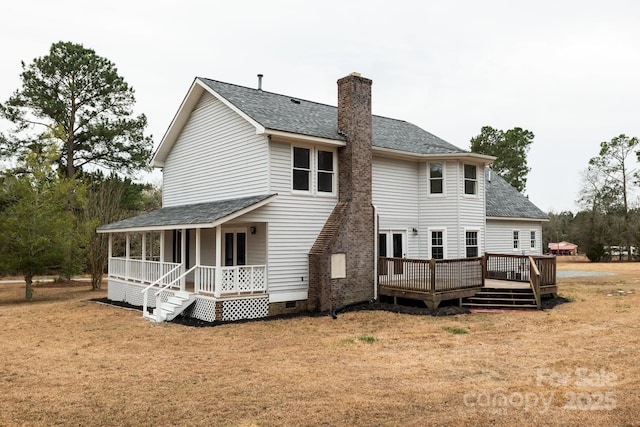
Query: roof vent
{"type": "Point", "coordinates": [260, 76]}
{"type": "Point", "coordinates": [295, 101]}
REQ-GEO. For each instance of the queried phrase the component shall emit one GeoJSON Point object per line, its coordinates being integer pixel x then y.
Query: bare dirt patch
{"type": "Point", "coordinates": [69, 361]}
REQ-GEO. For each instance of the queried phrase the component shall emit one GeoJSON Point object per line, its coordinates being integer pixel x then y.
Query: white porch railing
{"type": "Point", "coordinates": [236, 280]}
{"type": "Point", "coordinates": [143, 271]}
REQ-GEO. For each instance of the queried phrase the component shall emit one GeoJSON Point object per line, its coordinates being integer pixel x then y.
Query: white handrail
{"type": "Point", "coordinates": [145, 290]}
{"type": "Point", "coordinates": [157, 294]}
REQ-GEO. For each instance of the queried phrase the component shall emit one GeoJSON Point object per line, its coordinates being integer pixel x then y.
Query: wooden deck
{"type": "Point", "coordinates": [434, 281]}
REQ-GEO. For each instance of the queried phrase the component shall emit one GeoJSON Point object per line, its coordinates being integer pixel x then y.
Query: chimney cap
{"type": "Point", "coordinates": [356, 74]}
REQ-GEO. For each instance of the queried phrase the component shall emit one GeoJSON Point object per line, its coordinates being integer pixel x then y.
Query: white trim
{"type": "Point", "coordinates": [303, 139]}
{"type": "Point", "coordinates": [405, 155]}
{"type": "Point", "coordinates": [200, 225]}
{"type": "Point", "coordinates": [501, 218]}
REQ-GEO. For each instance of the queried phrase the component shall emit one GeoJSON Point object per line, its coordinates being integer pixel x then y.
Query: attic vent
{"type": "Point", "coordinates": [295, 101]}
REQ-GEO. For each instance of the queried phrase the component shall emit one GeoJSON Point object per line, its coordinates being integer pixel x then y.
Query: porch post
{"type": "Point", "coordinates": [183, 256]}
{"type": "Point", "coordinates": [162, 246]}
{"type": "Point", "coordinates": [143, 265]}
{"type": "Point", "coordinates": [197, 272]}
{"type": "Point", "coordinates": [127, 253]}
{"type": "Point", "coordinates": [110, 253]}
{"type": "Point", "coordinates": [218, 271]}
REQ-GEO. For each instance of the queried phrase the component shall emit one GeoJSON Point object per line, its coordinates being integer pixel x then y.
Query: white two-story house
{"type": "Point", "coordinates": [273, 204]}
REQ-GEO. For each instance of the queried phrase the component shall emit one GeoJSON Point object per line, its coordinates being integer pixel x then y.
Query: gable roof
{"type": "Point", "coordinates": [504, 201]}
{"type": "Point", "coordinates": [207, 215]}
{"type": "Point", "coordinates": [270, 112]}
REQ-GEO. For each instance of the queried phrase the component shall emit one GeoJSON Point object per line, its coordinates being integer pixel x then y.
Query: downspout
{"type": "Point", "coordinates": [375, 252]}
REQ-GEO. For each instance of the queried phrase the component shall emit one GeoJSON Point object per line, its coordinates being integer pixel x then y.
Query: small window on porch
{"type": "Point", "coordinates": [437, 244]}
{"type": "Point", "coordinates": [471, 243]}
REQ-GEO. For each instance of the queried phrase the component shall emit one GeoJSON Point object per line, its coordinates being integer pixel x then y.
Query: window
{"type": "Point", "coordinates": [470, 179]}
{"type": "Point", "coordinates": [313, 170]}
{"type": "Point", "coordinates": [437, 244]}
{"type": "Point", "coordinates": [325, 171]}
{"type": "Point", "coordinates": [516, 240]}
{"type": "Point", "coordinates": [436, 178]}
{"type": "Point", "coordinates": [301, 168]}
{"type": "Point", "coordinates": [533, 239]}
{"type": "Point", "coordinates": [471, 243]}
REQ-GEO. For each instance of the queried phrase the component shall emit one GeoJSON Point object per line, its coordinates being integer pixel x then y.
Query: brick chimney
{"type": "Point", "coordinates": [348, 237]}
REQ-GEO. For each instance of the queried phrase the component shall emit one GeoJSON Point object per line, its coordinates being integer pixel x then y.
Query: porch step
{"type": "Point", "coordinates": [174, 305]}
{"type": "Point", "coordinates": [501, 298]}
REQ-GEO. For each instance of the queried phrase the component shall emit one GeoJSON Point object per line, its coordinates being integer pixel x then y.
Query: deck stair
{"type": "Point", "coordinates": [174, 305]}
{"type": "Point", "coordinates": [502, 298]}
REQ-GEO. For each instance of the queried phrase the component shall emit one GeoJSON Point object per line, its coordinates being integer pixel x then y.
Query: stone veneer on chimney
{"type": "Point", "coordinates": [349, 230]}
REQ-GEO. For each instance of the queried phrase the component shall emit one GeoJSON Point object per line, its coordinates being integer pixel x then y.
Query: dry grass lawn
{"type": "Point", "coordinates": [68, 361]}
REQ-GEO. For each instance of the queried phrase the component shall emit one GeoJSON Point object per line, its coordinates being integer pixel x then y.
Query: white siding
{"type": "Point", "coordinates": [500, 236]}
{"type": "Point", "coordinates": [395, 186]}
{"type": "Point", "coordinates": [217, 156]}
{"type": "Point", "coordinates": [294, 222]}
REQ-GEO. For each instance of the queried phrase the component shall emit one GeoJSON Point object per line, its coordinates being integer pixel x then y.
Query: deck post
{"type": "Point", "coordinates": [485, 260]}
{"type": "Point", "coordinates": [162, 246]}
{"type": "Point", "coordinates": [432, 278]}
{"type": "Point", "coordinates": [143, 269]}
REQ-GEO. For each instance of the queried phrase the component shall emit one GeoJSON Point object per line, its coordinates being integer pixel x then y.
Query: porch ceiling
{"type": "Point", "coordinates": [199, 215]}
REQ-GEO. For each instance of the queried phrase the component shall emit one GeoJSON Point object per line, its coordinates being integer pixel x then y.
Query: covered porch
{"type": "Point", "coordinates": [206, 260]}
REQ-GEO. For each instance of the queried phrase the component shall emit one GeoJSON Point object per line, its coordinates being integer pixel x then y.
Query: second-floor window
{"type": "Point", "coordinates": [436, 178]}
{"type": "Point", "coordinates": [301, 169]}
{"type": "Point", "coordinates": [470, 179]}
{"type": "Point", "coordinates": [313, 170]}
{"type": "Point", "coordinates": [325, 171]}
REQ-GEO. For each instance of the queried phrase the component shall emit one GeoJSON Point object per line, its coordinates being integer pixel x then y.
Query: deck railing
{"type": "Point", "coordinates": [430, 275]}
{"type": "Point", "coordinates": [536, 278]}
{"type": "Point", "coordinates": [234, 280]}
{"type": "Point", "coordinates": [517, 267]}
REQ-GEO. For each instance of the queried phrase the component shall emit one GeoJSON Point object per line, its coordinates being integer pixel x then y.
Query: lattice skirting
{"type": "Point", "coordinates": [205, 308]}
{"type": "Point", "coordinates": [131, 293]}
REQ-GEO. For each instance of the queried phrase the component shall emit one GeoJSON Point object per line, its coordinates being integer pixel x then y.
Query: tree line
{"type": "Point", "coordinates": [72, 149]}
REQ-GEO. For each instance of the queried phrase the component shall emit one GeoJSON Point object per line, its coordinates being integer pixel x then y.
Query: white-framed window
{"type": "Point", "coordinates": [313, 170]}
{"type": "Point", "coordinates": [301, 169]}
{"type": "Point", "coordinates": [470, 179]}
{"type": "Point", "coordinates": [436, 178]}
{"type": "Point", "coordinates": [533, 239]}
{"type": "Point", "coordinates": [471, 243]}
{"type": "Point", "coordinates": [516, 240]}
{"type": "Point", "coordinates": [437, 242]}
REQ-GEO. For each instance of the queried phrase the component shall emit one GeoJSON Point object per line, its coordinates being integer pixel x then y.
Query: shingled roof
{"type": "Point", "coordinates": [504, 201]}
{"type": "Point", "coordinates": [295, 115]}
{"type": "Point", "coordinates": [196, 214]}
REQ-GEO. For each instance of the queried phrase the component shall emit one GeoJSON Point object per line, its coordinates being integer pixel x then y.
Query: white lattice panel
{"type": "Point", "coordinates": [134, 295]}
{"type": "Point", "coordinates": [259, 280]}
{"type": "Point", "coordinates": [245, 308]}
{"type": "Point", "coordinates": [244, 279]}
{"type": "Point", "coordinates": [116, 291]}
{"type": "Point", "coordinates": [204, 309]}
{"type": "Point", "coordinates": [227, 281]}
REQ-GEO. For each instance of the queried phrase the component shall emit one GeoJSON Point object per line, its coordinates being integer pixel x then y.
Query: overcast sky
{"type": "Point", "coordinates": [566, 70]}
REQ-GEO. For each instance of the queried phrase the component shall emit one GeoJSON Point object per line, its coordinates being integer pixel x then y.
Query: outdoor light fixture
{"type": "Point", "coordinates": [252, 230]}
{"type": "Point", "coordinates": [415, 230]}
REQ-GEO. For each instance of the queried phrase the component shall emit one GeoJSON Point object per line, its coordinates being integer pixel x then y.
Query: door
{"type": "Point", "coordinates": [234, 249]}
{"type": "Point", "coordinates": [392, 243]}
